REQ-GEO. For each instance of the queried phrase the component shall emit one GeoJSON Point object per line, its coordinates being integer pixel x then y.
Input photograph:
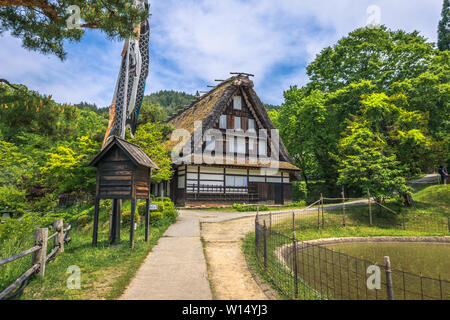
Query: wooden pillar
{"type": "Point", "coordinates": [133, 207]}
{"type": "Point", "coordinates": [40, 256]}
{"type": "Point", "coordinates": [58, 226]}
{"type": "Point", "coordinates": [95, 231]}
{"type": "Point", "coordinates": [370, 208]}
{"type": "Point", "coordinates": [147, 218]}
{"type": "Point", "coordinates": [115, 221]}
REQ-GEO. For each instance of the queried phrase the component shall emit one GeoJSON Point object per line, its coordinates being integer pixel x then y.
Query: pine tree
{"type": "Point", "coordinates": [44, 25]}
{"type": "Point", "coordinates": [444, 27]}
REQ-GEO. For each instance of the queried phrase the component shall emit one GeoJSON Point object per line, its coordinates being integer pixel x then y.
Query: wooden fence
{"type": "Point", "coordinates": [39, 254]}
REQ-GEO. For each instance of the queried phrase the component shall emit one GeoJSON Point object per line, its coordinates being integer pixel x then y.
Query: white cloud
{"type": "Point", "coordinates": [195, 42]}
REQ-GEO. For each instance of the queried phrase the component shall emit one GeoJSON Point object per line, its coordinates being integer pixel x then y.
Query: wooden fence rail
{"type": "Point", "coordinates": [39, 254]}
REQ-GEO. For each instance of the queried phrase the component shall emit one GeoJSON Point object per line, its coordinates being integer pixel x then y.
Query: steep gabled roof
{"type": "Point", "coordinates": [136, 155]}
{"type": "Point", "coordinates": [211, 105]}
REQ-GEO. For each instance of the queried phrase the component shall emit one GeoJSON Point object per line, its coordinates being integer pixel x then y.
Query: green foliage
{"type": "Point", "coordinates": [166, 208]}
{"type": "Point", "coordinates": [151, 112]}
{"type": "Point", "coordinates": [299, 191]}
{"type": "Point", "coordinates": [376, 98]}
{"type": "Point", "coordinates": [170, 100]}
{"type": "Point", "coordinates": [126, 218]}
{"type": "Point", "coordinates": [156, 217]}
{"type": "Point", "coordinates": [67, 167]}
{"type": "Point", "coordinates": [246, 208]}
{"type": "Point", "coordinates": [375, 54]}
{"type": "Point", "coordinates": [12, 199]}
{"type": "Point", "coordinates": [444, 27]}
{"type": "Point", "coordinates": [43, 26]}
{"type": "Point", "coordinates": [149, 138]}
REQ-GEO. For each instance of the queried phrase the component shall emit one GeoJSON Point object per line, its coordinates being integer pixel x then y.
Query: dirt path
{"type": "Point", "coordinates": [228, 272]}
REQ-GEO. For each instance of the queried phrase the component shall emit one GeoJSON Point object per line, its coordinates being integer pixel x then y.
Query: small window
{"type": "Point", "coordinates": [251, 124]}
{"type": "Point", "coordinates": [237, 123]}
{"type": "Point", "coordinates": [231, 145]}
{"type": "Point", "coordinates": [252, 145]}
{"type": "Point", "coordinates": [237, 103]}
{"type": "Point", "coordinates": [240, 145]}
{"type": "Point", "coordinates": [223, 121]}
{"type": "Point", "coordinates": [262, 147]}
{"type": "Point", "coordinates": [211, 144]}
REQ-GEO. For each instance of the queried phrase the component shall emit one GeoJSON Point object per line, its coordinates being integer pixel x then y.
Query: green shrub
{"type": "Point", "coordinates": [170, 212]}
{"type": "Point", "coordinates": [155, 218]}
{"type": "Point", "coordinates": [244, 208]}
{"type": "Point", "coordinates": [12, 199]}
{"type": "Point", "coordinates": [301, 203]}
{"type": "Point", "coordinates": [126, 217]}
{"type": "Point", "coordinates": [83, 220]}
{"type": "Point", "coordinates": [165, 199]}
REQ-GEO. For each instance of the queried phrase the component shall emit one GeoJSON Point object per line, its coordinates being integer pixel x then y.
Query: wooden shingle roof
{"type": "Point", "coordinates": [136, 155]}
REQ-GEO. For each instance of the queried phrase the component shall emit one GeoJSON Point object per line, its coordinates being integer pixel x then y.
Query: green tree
{"type": "Point", "coordinates": [151, 112]}
{"type": "Point", "coordinates": [364, 165]}
{"type": "Point", "coordinates": [67, 170]}
{"type": "Point", "coordinates": [444, 27]}
{"type": "Point", "coordinates": [378, 55]}
{"type": "Point", "coordinates": [42, 25]}
{"type": "Point", "coordinates": [150, 138]}
{"type": "Point", "coordinates": [306, 129]}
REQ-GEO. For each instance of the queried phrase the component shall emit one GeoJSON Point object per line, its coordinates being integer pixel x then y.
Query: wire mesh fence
{"type": "Point", "coordinates": [314, 271]}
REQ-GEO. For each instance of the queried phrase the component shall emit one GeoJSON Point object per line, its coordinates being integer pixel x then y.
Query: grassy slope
{"type": "Point", "coordinates": [105, 271]}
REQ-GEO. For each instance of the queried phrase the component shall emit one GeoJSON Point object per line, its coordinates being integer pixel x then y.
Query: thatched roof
{"type": "Point", "coordinates": [211, 105]}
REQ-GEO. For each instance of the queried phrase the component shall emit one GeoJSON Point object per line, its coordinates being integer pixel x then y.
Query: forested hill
{"type": "Point", "coordinates": [170, 100]}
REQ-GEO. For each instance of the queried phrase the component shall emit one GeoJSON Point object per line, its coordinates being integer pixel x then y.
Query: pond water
{"type": "Point", "coordinates": [428, 259]}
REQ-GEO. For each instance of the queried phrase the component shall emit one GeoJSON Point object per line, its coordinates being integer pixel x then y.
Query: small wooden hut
{"type": "Point", "coordinates": [123, 173]}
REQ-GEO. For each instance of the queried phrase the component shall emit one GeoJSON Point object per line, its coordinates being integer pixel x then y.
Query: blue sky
{"type": "Point", "coordinates": [195, 42]}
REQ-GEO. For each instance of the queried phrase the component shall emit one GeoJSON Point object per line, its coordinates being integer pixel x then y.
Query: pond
{"type": "Point", "coordinates": [429, 259]}
{"type": "Point", "coordinates": [341, 271]}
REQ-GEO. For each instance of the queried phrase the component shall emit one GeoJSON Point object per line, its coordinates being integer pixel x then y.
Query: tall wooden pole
{"type": "Point", "coordinates": [370, 208]}
{"type": "Point", "coordinates": [95, 231]}
{"type": "Point", "coordinates": [343, 207]}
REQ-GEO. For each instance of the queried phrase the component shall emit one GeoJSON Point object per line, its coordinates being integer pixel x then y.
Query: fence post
{"type": "Point", "coordinates": [321, 206]}
{"type": "Point", "coordinates": [318, 216]}
{"type": "Point", "coordinates": [58, 226]}
{"type": "Point", "coordinates": [389, 286]}
{"type": "Point", "coordinates": [343, 207]}
{"type": "Point", "coordinates": [265, 244]}
{"type": "Point", "coordinates": [270, 221]}
{"type": "Point", "coordinates": [39, 257]}
{"type": "Point", "coordinates": [294, 246]}
{"type": "Point", "coordinates": [370, 208]}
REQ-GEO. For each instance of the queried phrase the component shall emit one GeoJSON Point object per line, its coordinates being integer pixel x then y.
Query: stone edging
{"type": "Point", "coordinates": [283, 253]}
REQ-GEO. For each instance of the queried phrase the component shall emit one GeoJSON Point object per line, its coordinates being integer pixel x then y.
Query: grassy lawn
{"type": "Point", "coordinates": [427, 218]}
{"type": "Point", "coordinates": [105, 271]}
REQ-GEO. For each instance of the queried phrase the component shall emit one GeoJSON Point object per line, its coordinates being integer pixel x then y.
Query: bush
{"type": "Point", "coordinates": [301, 203]}
{"type": "Point", "coordinates": [83, 220]}
{"type": "Point", "coordinates": [155, 218]}
{"type": "Point", "coordinates": [165, 199]}
{"type": "Point", "coordinates": [170, 212]}
{"type": "Point", "coordinates": [12, 199]}
{"type": "Point", "coordinates": [244, 208]}
{"type": "Point", "coordinates": [166, 208]}
{"type": "Point", "coordinates": [126, 217]}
